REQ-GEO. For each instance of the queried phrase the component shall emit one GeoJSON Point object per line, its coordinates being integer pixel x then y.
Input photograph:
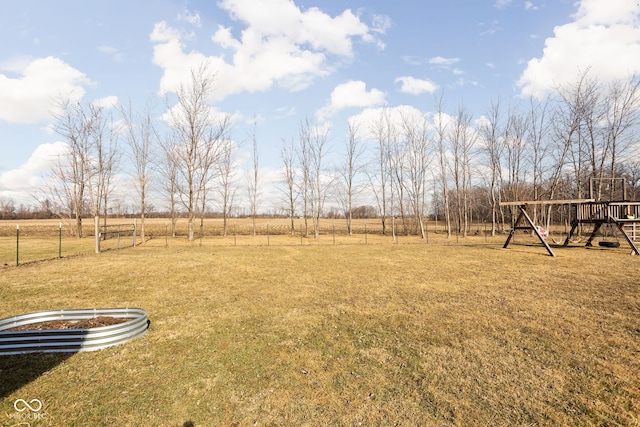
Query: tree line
{"type": "Point", "coordinates": [400, 165]}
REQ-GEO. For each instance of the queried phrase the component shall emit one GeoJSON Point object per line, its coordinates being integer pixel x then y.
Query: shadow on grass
{"type": "Point", "coordinates": [19, 370]}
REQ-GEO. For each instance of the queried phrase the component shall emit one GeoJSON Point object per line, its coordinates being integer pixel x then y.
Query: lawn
{"type": "Point", "coordinates": [377, 334]}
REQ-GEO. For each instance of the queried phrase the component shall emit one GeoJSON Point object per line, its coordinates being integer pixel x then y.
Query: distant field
{"type": "Point", "coordinates": [38, 240]}
{"type": "Point", "coordinates": [158, 227]}
{"type": "Point", "coordinates": [459, 333]}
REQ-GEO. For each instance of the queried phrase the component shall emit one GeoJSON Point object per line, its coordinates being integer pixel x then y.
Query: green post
{"type": "Point", "coordinates": [485, 230]}
{"type": "Point", "coordinates": [365, 233]}
{"type": "Point", "coordinates": [426, 231]}
{"type": "Point", "coordinates": [60, 240]}
{"type": "Point", "coordinates": [17, 244]}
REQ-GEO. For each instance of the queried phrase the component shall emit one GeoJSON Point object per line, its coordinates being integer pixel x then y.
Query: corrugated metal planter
{"type": "Point", "coordinates": [71, 340]}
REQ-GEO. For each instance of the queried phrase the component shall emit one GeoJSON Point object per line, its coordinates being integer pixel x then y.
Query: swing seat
{"type": "Point", "coordinates": [606, 244]}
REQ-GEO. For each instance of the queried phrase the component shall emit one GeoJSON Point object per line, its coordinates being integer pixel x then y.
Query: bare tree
{"type": "Point", "coordinates": [418, 160]}
{"type": "Point", "coordinates": [396, 157]}
{"type": "Point", "coordinates": [578, 101]}
{"type": "Point", "coordinates": [319, 138]}
{"type": "Point", "coordinates": [492, 144]}
{"type": "Point", "coordinates": [379, 179]}
{"type": "Point", "coordinates": [595, 122]}
{"type": "Point", "coordinates": [70, 172]}
{"type": "Point", "coordinates": [253, 187]}
{"type": "Point", "coordinates": [621, 117]}
{"type": "Point", "coordinates": [289, 171]}
{"type": "Point", "coordinates": [226, 178]}
{"type": "Point", "coordinates": [138, 134]}
{"type": "Point", "coordinates": [304, 159]}
{"type": "Point", "coordinates": [462, 141]}
{"type": "Point", "coordinates": [197, 135]}
{"type": "Point", "coordinates": [169, 171]}
{"type": "Point", "coordinates": [538, 132]}
{"type": "Point", "coordinates": [83, 175]}
{"type": "Point", "coordinates": [106, 159]}
{"type": "Point", "coordinates": [350, 169]}
{"type": "Point", "coordinates": [443, 162]}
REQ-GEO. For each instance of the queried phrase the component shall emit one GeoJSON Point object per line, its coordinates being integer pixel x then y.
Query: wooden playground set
{"type": "Point", "coordinates": [621, 216]}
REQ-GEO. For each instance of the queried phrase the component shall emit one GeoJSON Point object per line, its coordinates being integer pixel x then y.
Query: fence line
{"type": "Point", "coordinates": [31, 241]}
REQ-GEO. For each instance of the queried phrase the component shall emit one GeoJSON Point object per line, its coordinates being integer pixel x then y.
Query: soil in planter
{"type": "Point", "coordinates": [71, 324]}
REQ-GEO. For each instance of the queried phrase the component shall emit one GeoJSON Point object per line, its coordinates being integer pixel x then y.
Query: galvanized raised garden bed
{"type": "Point", "coordinates": [71, 339]}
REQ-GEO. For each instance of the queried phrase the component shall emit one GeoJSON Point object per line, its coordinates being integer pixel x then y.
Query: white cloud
{"type": "Point", "coordinates": [603, 38]}
{"type": "Point", "coordinates": [279, 45]}
{"type": "Point", "coordinates": [445, 62]}
{"type": "Point", "coordinates": [112, 52]}
{"type": "Point", "coordinates": [412, 60]}
{"type": "Point", "coordinates": [106, 102]}
{"type": "Point", "coordinates": [530, 6]}
{"type": "Point", "coordinates": [19, 184]}
{"type": "Point", "coordinates": [370, 118]}
{"type": "Point", "coordinates": [190, 18]}
{"type": "Point", "coordinates": [283, 112]}
{"type": "Point", "coordinates": [28, 98]}
{"type": "Point", "coordinates": [173, 115]}
{"type": "Point", "coordinates": [501, 4]}
{"type": "Point", "coordinates": [351, 94]}
{"type": "Point", "coordinates": [416, 86]}
{"type": "Point", "coordinates": [464, 82]}
{"type": "Point", "coordinates": [381, 23]}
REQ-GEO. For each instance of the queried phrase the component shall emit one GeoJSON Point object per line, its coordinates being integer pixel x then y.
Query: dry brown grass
{"type": "Point", "coordinates": [383, 334]}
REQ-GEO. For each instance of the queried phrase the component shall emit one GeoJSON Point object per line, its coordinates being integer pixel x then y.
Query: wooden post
{"type": "Point", "coordinates": [524, 215]}
{"type": "Point", "coordinates": [634, 248]}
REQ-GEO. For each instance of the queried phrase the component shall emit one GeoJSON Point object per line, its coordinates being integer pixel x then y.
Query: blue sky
{"type": "Point", "coordinates": [279, 61]}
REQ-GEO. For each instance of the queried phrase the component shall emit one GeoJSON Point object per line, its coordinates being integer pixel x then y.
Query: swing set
{"type": "Point", "coordinates": [622, 216]}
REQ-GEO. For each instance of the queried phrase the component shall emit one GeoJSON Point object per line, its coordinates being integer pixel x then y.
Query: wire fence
{"type": "Point", "coordinates": [23, 242]}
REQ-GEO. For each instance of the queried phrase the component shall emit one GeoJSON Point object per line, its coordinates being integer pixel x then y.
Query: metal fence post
{"type": "Point", "coordinates": [60, 240]}
{"type": "Point", "coordinates": [97, 232]}
{"type": "Point", "coordinates": [365, 233]}
{"type": "Point", "coordinates": [17, 244]}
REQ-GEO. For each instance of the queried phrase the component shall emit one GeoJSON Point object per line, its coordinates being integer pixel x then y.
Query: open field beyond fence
{"type": "Point", "coordinates": [346, 334]}
{"type": "Point", "coordinates": [28, 241]}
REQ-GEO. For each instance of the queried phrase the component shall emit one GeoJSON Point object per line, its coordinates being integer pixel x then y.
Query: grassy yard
{"type": "Point", "coordinates": [382, 334]}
